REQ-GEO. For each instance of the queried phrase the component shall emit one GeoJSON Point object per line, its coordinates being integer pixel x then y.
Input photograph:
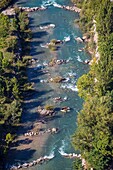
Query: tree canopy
{"type": "Point", "coordinates": [13, 34]}
{"type": "Point", "coordinates": [4, 3]}
{"type": "Point", "coordinates": [94, 134]}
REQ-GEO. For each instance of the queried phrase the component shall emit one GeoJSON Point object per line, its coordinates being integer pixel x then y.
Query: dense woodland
{"type": "Point", "coordinates": [14, 38]}
{"type": "Point", "coordinates": [94, 134]}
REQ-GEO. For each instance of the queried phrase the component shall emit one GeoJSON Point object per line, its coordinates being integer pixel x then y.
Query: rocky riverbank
{"type": "Point", "coordinates": [11, 10]}
{"type": "Point", "coordinates": [39, 161]}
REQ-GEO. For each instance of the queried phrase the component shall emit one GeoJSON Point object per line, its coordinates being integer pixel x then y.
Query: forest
{"type": "Point", "coordinates": [14, 49]}
{"type": "Point", "coordinates": [94, 134]}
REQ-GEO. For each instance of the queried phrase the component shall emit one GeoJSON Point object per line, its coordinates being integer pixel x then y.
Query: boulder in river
{"type": "Point", "coordinates": [54, 130]}
{"type": "Point", "coordinates": [45, 112]}
{"type": "Point", "coordinates": [65, 109]}
{"type": "Point", "coordinates": [57, 79]}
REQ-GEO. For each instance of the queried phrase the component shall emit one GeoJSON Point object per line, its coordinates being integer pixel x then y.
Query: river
{"type": "Point", "coordinates": [45, 92]}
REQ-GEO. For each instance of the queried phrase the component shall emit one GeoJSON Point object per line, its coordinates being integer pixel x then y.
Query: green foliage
{"type": "Point", "coordinates": [77, 164]}
{"type": "Point", "coordinates": [52, 47]}
{"type": "Point", "coordinates": [53, 41]}
{"type": "Point", "coordinates": [49, 107]}
{"type": "Point", "coordinates": [1, 57]}
{"type": "Point", "coordinates": [94, 134]}
{"type": "Point", "coordinates": [85, 85]}
{"type": "Point", "coordinates": [11, 43]}
{"type": "Point", "coordinates": [13, 34]}
{"type": "Point", "coordinates": [4, 25]}
{"type": "Point", "coordinates": [5, 63]}
{"type": "Point", "coordinates": [104, 18]}
{"type": "Point", "coordinates": [9, 138]}
{"type": "Point", "coordinates": [23, 21]}
{"type": "Point", "coordinates": [4, 3]}
{"type": "Point", "coordinates": [15, 89]}
{"type": "Point", "coordinates": [13, 24]}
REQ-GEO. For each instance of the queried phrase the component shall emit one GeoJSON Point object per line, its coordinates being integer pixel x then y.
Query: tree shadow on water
{"type": "Point", "coordinates": [20, 156]}
{"type": "Point", "coordinates": [23, 142]}
{"type": "Point", "coordinates": [40, 34]}
{"type": "Point", "coordinates": [32, 103]}
{"type": "Point", "coordinates": [35, 94]}
{"type": "Point", "coordinates": [47, 119]}
{"type": "Point", "coordinates": [34, 45]}
{"type": "Point", "coordinates": [30, 118]}
{"type": "Point", "coordinates": [24, 129]}
{"type": "Point", "coordinates": [40, 52]}
{"type": "Point", "coordinates": [36, 54]}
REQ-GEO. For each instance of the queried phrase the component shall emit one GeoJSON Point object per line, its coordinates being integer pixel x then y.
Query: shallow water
{"type": "Point", "coordinates": [66, 122]}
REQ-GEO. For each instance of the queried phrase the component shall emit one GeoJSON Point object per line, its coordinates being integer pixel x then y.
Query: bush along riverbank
{"type": "Point", "coordinates": [14, 46]}
{"type": "Point", "coordinates": [94, 134]}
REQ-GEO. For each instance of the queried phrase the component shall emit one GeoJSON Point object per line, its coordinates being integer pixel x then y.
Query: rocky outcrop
{"type": "Point", "coordinates": [11, 11]}
{"type": "Point", "coordinates": [28, 9]}
{"type": "Point", "coordinates": [44, 112]}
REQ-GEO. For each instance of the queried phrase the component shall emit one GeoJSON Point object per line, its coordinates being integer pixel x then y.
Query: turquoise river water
{"type": "Point", "coordinates": [45, 92]}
